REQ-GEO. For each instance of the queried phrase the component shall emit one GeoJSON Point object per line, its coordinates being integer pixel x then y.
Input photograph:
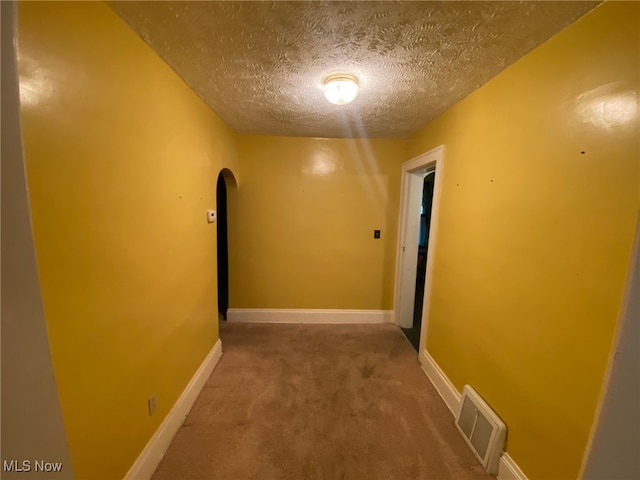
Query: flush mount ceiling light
{"type": "Point", "coordinates": [340, 88]}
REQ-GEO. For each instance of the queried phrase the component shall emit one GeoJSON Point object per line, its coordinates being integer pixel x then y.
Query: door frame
{"type": "Point", "coordinates": [412, 172]}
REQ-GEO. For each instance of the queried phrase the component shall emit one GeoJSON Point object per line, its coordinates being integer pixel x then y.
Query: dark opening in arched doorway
{"type": "Point", "coordinates": [223, 247]}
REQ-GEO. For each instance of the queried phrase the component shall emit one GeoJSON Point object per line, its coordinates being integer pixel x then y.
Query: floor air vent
{"type": "Point", "coordinates": [481, 428]}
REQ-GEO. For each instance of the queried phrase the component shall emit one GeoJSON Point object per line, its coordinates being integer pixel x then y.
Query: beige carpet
{"type": "Point", "coordinates": [318, 402]}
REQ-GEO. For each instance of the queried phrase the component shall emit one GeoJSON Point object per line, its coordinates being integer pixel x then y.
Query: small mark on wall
{"type": "Point", "coordinates": [376, 234]}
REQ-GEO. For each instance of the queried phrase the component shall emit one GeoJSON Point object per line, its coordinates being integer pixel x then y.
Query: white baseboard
{"type": "Point", "coordinates": [150, 457]}
{"type": "Point", "coordinates": [269, 315]}
{"type": "Point", "coordinates": [443, 385]}
{"type": "Point", "coordinates": [507, 468]}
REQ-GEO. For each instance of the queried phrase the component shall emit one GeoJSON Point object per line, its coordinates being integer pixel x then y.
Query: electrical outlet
{"type": "Point", "coordinates": [153, 404]}
{"type": "Point", "coordinates": [376, 234]}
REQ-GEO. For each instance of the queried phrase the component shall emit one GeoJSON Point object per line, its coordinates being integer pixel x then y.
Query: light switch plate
{"type": "Point", "coordinates": [211, 216]}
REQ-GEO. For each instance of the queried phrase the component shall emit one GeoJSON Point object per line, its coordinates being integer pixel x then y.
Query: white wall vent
{"type": "Point", "coordinates": [481, 428]}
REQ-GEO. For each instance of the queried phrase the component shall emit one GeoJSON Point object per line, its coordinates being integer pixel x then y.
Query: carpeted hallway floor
{"type": "Point", "coordinates": [328, 402]}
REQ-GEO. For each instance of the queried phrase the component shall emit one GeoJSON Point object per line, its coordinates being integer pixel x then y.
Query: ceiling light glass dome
{"type": "Point", "coordinates": [341, 88]}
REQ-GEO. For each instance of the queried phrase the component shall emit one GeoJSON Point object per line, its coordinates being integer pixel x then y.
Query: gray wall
{"type": "Point", "coordinates": [615, 448]}
{"type": "Point", "coordinates": [32, 427]}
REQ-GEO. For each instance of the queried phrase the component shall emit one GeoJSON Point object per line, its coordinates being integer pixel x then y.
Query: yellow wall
{"type": "Point", "coordinates": [122, 159]}
{"type": "Point", "coordinates": [309, 207]}
{"type": "Point", "coordinates": [539, 202]}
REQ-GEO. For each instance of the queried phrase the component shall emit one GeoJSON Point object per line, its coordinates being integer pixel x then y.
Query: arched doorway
{"type": "Point", "coordinates": [225, 180]}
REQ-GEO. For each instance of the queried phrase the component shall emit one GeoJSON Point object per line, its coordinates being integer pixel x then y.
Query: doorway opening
{"type": "Point", "coordinates": [225, 179]}
{"type": "Point", "coordinates": [413, 332]}
{"type": "Point", "coordinates": [420, 198]}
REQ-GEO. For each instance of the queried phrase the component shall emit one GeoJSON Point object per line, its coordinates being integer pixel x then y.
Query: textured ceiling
{"type": "Point", "coordinates": [260, 65]}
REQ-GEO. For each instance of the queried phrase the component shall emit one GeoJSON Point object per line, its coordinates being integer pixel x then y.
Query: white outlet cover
{"type": "Point", "coordinates": [211, 216]}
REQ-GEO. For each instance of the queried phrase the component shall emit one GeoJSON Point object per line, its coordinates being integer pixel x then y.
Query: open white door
{"type": "Point", "coordinates": [409, 249]}
{"type": "Point", "coordinates": [413, 172]}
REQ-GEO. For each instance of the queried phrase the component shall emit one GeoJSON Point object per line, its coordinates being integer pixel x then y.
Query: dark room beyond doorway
{"type": "Point", "coordinates": [223, 249]}
{"type": "Point", "coordinates": [413, 333]}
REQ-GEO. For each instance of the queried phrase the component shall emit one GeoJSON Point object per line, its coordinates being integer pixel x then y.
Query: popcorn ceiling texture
{"type": "Point", "coordinates": [260, 65]}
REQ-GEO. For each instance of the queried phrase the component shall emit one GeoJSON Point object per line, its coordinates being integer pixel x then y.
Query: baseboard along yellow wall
{"type": "Point", "coordinates": [301, 227]}
{"type": "Point", "coordinates": [122, 159]}
{"type": "Point", "coordinates": [538, 208]}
